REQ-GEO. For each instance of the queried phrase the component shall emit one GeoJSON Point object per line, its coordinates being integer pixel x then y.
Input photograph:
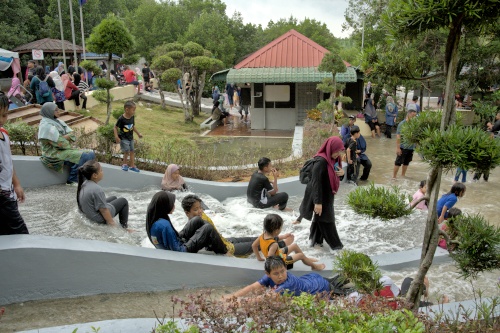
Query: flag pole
{"type": "Point", "coordinates": [83, 35]}
{"type": "Point", "coordinates": [62, 35]}
{"type": "Point", "coordinates": [73, 35]}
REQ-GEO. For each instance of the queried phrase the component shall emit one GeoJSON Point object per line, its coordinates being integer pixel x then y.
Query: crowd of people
{"type": "Point", "coordinates": [234, 97]}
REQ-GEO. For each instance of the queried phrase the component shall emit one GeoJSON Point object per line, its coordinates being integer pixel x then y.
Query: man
{"type": "Point", "coordinates": [260, 192]}
{"type": "Point", "coordinates": [345, 131]}
{"type": "Point", "coordinates": [414, 101]}
{"type": "Point", "coordinates": [30, 70]}
{"type": "Point", "coordinates": [404, 151]}
{"type": "Point", "coordinates": [130, 78]}
{"type": "Point", "coordinates": [146, 75]}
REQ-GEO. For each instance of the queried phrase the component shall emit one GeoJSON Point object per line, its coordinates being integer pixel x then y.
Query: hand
{"type": "Point", "coordinates": [117, 139]}
{"type": "Point", "coordinates": [340, 172]}
{"type": "Point", "coordinates": [318, 209]}
{"type": "Point", "coordinates": [398, 151]}
{"type": "Point", "coordinates": [350, 162]}
{"type": "Point", "coordinates": [275, 173]}
{"type": "Point", "coordinates": [440, 219]}
{"type": "Point", "coordinates": [140, 135]}
{"type": "Point", "coordinates": [20, 193]}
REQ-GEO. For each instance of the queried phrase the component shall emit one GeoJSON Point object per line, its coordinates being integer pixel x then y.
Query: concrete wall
{"type": "Point", "coordinates": [119, 93]}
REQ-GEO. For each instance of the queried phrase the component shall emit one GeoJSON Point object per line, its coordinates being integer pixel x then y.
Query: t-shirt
{"type": "Point", "coordinates": [311, 283]}
{"type": "Point", "coordinates": [353, 146]}
{"type": "Point", "coordinates": [258, 186]}
{"type": "Point", "coordinates": [125, 128]}
{"type": "Point", "coordinates": [92, 199]}
{"type": "Point", "coordinates": [448, 200]}
{"type": "Point", "coordinates": [145, 72]}
{"type": "Point", "coordinates": [421, 205]}
{"type": "Point", "coordinates": [129, 75]}
{"type": "Point", "coordinates": [6, 166]}
{"type": "Point", "coordinates": [398, 131]}
{"type": "Point", "coordinates": [164, 236]}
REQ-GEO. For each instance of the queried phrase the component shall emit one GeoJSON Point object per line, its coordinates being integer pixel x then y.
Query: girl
{"type": "Point", "coordinates": [320, 193]}
{"type": "Point", "coordinates": [83, 87]}
{"type": "Point", "coordinates": [196, 234]}
{"type": "Point", "coordinates": [448, 200]}
{"type": "Point", "coordinates": [172, 180]}
{"type": "Point", "coordinates": [420, 194]}
{"type": "Point", "coordinates": [70, 90]}
{"type": "Point", "coordinates": [58, 90]}
{"type": "Point", "coordinates": [91, 199]}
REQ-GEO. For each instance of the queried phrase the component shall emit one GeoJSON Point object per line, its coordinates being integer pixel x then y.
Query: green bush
{"type": "Point", "coordinates": [386, 203]}
{"type": "Point", "coordinates": [116, 113]}
{"type": "Point", "coordinates": [107, 132]}
{"type": "Point", "coordinates": [21, 134]}
{"type": "Point", "coordinates": [479, 245]}
{"type": "Point", "coordinates": [358, 269]}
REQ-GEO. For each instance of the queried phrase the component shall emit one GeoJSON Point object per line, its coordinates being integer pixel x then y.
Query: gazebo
{"type": "Point", "coordinates": [49, 46]}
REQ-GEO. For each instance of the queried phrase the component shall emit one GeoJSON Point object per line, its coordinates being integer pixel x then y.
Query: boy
{"type": "Point", "coordinates": [280, 281]}
{"type": "Point", "coordinates": [268, 242]}
{"type": "Point", "coordinates": [11, 222]}
{"type": "Point", "coordinates": [351, 153]}
{"type": "Point", "coordinates": [126, 127]}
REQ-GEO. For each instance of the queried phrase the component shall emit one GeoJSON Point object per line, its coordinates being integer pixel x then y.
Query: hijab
{"type": "Point", "coordinates": [168, 183]}
{"type": "Point", "coordinates": [160, 206]}
{"type": "Point", "coordinates": [330, 146]}
{"type": "Point", "coordinates": [65, 80]}
{"type": "Point", "coordinates": [387, 282]}
{"type": "Point", "coordinates": [57, 80]}
{"type": "Point", "coordinates": [14, 88]}
{"type": "Point", "coordinates": [50, 128]}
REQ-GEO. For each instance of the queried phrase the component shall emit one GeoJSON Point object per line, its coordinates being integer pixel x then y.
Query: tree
{"type": "Point", "coordinates": [408, 18]}
{"type": "Point", "coordinates": [12, 33]}
{"type": "Point", "coordinates": [110, 36]}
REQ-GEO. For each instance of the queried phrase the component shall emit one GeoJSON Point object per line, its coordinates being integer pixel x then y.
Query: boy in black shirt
{"type": "Point", "coordinates": [124, 135]}
{"type": "Point", "coordinates": [352, 150]}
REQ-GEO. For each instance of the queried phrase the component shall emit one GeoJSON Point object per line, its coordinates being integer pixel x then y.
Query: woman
{"type": "Point", "coordinates": [196, 234]}
{"type": "Point", "coordinates": [55, 139]}
{"type": "Point", "coordinates": [371, 116]}
{"type": "Point", "coordinates": [42, 96]}
{"type": "Point", "coordinates": [15, 90]}
{"type": "Point", "coordinates": [317, 204]}
{"type": "Point", "coordinates": [83, 87]}
{"type": "Point", "coordinates": [172, 179]}
{"type": "Point", "coordinates": [60, 68]}
{"type": "Point", "coordinates": [391, 113]}
{"type": "Point", "coordinates": [58, 90]}
{"type": "Point", "coordinates": [71, 90]}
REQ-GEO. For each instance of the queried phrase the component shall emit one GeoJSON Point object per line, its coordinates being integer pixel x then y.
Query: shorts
{"type": "Point", "coordinates": [405, 158]}
{"type": "Point", "coordinates": [135, 83]}
{"type": "Point", "coordinates": [127, 145]}
{"type": "Point", "coordinates": [243, 108]}
{"type": "Point", "coordinates": [230, 98]}
{"type": "Point", "coordinates": [372, 125]}
{"type": "Point", "coordinates": [146, 79]}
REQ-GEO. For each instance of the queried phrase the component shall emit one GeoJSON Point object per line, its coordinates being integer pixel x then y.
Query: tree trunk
{"type": "Point", "coordinates": [110, 64]}
{"type": "Point", "coordinates": [162, 96]}
{"type": "Point", "coordinates": [108, 107]}
{"type": "Point", "coordinates": [405, 99]}
{"type": "Point", "coordinates": [431, 236]}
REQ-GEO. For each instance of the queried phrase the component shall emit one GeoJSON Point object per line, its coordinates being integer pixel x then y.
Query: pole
{"type": "Point", "coordinates": [62, 35]}
{"type": "Point", "coordinates": [83, 36]}
{"type": "Point", "coordinates": [73, 35]}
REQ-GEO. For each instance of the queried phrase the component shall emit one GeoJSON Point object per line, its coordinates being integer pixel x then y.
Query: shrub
{"type": "Point", "coordinates": [116, 113]}
{"type": "Point", "coordinates": [479, 245]}
{"type": "Point", "coordinates": [358, 269]}
{"type": "Point", "coordinates": [314, 114]}
{"type": "Point", "coordinates": [21, 134]}
{"type": "Point", "coordinates": [386, 203]}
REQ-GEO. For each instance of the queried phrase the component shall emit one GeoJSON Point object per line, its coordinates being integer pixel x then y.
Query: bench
{"type": "Point", "coordinates": [209, 123]}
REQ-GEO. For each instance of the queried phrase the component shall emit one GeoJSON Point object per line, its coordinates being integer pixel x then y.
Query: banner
{"type": "Point", "coordinates": [82, 2]}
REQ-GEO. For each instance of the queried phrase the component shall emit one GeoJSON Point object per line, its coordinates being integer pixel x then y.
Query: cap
{"type": "Point", "coordinates": [412, 107]}
{"type": "Point", "coordinates": [352, 117]}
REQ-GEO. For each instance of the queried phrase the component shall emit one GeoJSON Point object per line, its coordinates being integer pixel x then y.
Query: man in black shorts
{"type": "Point", "coordinates": [404, 152]}
{"type": "Point", "coordinates": [146, 76]}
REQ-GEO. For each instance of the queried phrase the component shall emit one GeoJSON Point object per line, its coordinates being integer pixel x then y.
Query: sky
{"type": "Point", "coordinates": [330, 12]}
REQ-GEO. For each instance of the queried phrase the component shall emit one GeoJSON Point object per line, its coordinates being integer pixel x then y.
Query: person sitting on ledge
{"type": "Point", "coordinates": [196, 234]}
{"type": "Point", "coordinates": [172, 179]}
{"type": "Point", "coordinates": [237, 246]}
{"type": "Point", "coordinates": [261, 193]}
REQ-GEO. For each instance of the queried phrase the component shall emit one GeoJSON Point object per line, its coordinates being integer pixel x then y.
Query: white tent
{"type": "Point", "coordinates": [8, 54]}
{"type": "Point", "coordinates": [8, 59]}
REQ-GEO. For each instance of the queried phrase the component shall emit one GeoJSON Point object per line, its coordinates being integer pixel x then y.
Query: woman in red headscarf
{"type": "Point", "coordinates": [317, 204]}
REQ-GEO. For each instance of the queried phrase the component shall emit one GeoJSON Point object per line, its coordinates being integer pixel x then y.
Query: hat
{"type": "Point", "coordinates": [352, 117]}
{"type": "Point", "coordinates": [412, 108]}
{"type": "Point", "coordinates": [387, 281]}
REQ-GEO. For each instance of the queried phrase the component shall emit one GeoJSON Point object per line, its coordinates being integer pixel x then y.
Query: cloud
{"type": "Point", "coordinates": [330, 12]}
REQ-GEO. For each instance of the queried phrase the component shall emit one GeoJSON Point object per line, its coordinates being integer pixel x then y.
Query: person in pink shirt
{"type": "Point", "coordinates": [420, 194]}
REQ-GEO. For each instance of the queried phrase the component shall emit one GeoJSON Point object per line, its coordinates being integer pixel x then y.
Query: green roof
{"type": "Point", "coordinates": [284, 74]}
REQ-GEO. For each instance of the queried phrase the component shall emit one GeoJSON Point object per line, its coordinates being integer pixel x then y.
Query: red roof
{"type": "Point", "coordinates": [290, 50]}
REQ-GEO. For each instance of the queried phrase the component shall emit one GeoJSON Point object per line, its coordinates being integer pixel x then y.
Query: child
{"type": "Point", "coordinates": [420, 194]}
{"type": "Point", "coordinates": [448, 200]}
{"type": "Point", "coordinates": [352, 150]}
{"type": "Point", "coordinates": [172, 179]}
{"type": "Point", "coordinates": [449, 228]}
{"type": "Point", "coordinates": [10, 187]}
{"type": "Point", "coordinates": [91, 199]}
{"type": "Point", "coordinates": [126, 127]}
{"type": "Point", "coordinates": [464, 175]}
{"type": "Point", "coordinates": [268, 241]}
{"type": "Point", "coordinates": [237, 246]}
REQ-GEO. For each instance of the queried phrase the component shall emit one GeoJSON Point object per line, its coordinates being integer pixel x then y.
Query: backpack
{"type": "Point", "coordinates": [43, 88]}
{"type": "Point", "coordinates": [305, 173]}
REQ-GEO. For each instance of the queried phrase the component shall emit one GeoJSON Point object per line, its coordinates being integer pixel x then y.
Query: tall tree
{"type": "Point", "coordinates": [411, 17]}
{"type": "Point", "coordinates": [247, 37]}
{"type": "Point", "coordinates": [19, 23]}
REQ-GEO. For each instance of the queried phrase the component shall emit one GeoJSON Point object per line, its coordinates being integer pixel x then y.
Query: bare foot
{"type": "Point", "coordinates": [288, 209]}
{"type": "Point", "coordinates": [2, 311]}
{"type": "Point", "coordinates": [296, 222]}
{"type": "Point", "coordinates": [444, 299]}
{"type": "Point", "coordinates": [318, 267]}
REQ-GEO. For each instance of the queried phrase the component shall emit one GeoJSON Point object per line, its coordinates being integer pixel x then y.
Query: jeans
{"type": "Point", "coordinates": [73, 171]}
{"type": "Point", "coordinates": [11, 222]}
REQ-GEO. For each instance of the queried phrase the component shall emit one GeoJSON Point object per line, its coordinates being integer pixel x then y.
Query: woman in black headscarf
{"type": "Point", "coordinates": [196, 234]}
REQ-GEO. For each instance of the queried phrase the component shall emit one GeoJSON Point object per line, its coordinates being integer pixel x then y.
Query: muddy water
{"type": "Point", "coordinates": [52, 211]}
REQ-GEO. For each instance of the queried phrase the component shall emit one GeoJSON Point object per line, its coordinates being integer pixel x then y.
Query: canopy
{"type": "Point", "coordinates": [8, 54]}
{"type": "Point", "coordinates": [9, 58]}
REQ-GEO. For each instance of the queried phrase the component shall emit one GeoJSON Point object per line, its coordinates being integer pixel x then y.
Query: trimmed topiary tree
{"type": "Point", "coordinates": [104, 95]}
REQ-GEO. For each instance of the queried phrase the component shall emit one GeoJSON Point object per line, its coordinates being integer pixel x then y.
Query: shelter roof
{"type": "Point", "coordinates": [285, 74]}
{"type": "Point", "coordinates": [48, 45]}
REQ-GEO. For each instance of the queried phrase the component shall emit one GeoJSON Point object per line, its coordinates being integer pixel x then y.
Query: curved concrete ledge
{"type": "Point", "coordinates": [44, 267]}
{"type": "Point", "coordinates": [32, 173]}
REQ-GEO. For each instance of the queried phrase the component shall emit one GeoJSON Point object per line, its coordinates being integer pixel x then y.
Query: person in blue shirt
{"type": "Point", "coordinates": [363, 158]}
{"type": "Point", "coordinates": [196, 234]}
{"type": "Point", "coordinates": [391, 113]}
{"type": "Point", "coordinates": [345, 130]}
{"type": "Point", "coordinates": [448, 200]}
{"type": "Point", "coordinates": [280, 281]}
